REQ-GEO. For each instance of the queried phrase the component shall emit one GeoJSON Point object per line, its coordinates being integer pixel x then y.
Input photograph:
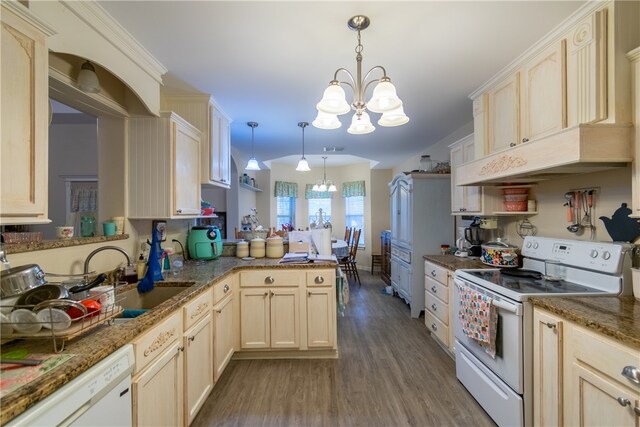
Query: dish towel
{"type": "Point", "coordinates": [479, 318]}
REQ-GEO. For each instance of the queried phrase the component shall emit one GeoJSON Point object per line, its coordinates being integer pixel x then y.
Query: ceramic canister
{"type": "Point", "coordinates": [257, 249]}
{"type": "Point", "coordinates": [275, 247]}
{"type": "Point", "coordinates": [242, 249]}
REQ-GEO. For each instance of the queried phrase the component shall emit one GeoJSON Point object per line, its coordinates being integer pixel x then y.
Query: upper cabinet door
{"type": "Point", "coordinates": [544, 106]}
{"type": "Point", "coordinates": [186, 175]}
{"type": "Point", "coordinates": [503, 114]}
{"type": "Point", "coordinates": [215, 148]}
{"type": "Point", "coordinates": [24, 117]}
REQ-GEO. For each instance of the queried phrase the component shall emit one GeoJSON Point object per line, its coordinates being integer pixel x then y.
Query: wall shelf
{"type": "Point", "coordinates": [514, 213]}
{"type": "Point", "coordinates": [250, 187]}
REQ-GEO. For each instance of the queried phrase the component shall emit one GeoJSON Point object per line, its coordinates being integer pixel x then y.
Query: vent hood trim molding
{"type": "Point", "coordinates": [579, 149]}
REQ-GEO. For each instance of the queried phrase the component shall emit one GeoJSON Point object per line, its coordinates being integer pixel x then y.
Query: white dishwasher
{"type": "Point", "coordinates": [101, 396]}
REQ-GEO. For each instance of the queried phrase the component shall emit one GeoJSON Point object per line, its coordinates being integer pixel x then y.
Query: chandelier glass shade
{"type": "Point", "coordinates": [252, 164]}
{"type": "Point", "coordinates": [303, 165]}
{"type": "Point", "coordinates": [324, 185]}
{"type": "Point", "coordinates": [383, 100]}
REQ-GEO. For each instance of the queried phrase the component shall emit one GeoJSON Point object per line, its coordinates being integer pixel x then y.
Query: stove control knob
{"type": "Point", "coordinates": [593, 253]}
{"type": "Point", "coordinates": [535, 245]}
{"type": "Point", "coordinates": [606, 255]}
{"type": "Point", "coordinates": [528, 244]}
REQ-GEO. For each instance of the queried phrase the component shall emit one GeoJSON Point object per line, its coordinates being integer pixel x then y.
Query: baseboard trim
{"type": "Point", "coordinates": [286, 354]}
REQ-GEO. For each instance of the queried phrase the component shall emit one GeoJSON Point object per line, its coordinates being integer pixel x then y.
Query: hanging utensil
{"type": "Point", "coordinates": [573, 227]}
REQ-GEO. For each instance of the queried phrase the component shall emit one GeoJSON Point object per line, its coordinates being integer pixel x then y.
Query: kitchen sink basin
{"type": "Point", "coordinates": [133, 300]}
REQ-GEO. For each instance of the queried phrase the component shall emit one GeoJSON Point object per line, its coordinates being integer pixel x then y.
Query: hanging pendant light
{"type": "Point", "coordinates": [383, 100]}
{"type": "Point", "coordinates": [324, 185]}
{"type": "Point", "coordinates": [303, 165]}
{"type": "Point", "coordinates": [252, 164]}
{"type": "Point", "coordinates": [88, 79]}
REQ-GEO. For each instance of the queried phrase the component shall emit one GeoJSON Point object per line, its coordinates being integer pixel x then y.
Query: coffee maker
{"type": "Point", "coordinates": [472, 234]}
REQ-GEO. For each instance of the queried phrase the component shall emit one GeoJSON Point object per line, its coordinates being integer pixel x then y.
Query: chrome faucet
{"type": "Point", "coordinates": [104, 248]}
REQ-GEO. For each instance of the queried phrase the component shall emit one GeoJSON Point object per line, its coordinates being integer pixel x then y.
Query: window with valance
{"type": "Point", "coordinates": [353, 189]}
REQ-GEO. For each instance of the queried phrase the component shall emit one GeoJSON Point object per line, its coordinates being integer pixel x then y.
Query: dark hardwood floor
{"type": "Point", "coordinates": [390, 373]}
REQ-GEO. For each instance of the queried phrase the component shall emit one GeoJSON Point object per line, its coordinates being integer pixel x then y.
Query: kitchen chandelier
{"type": "Point", "coordinates": [303, 165]}
{"type": "Point", "coordinates": [252, 164]}
{"type": "Point", "coordinates": [384, 99]}
{"type": "Point", "coordinates": [324, 184]}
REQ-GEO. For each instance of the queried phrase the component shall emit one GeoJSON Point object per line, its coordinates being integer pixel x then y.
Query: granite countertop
{"type": "Point", "coordinates": [453, 262]}
{"type": "Point", "coordinates": [103, 340]}
{"type": "Point", "coordinates": [615, 317]}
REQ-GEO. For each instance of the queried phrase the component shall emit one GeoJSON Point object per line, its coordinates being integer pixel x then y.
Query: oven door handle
{"type": "Point", "coordinates": [511, 308]}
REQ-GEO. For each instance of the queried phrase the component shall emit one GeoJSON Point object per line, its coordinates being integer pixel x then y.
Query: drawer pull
{"type": "Point", "coordinates": [433, 273]}
{"type": "Point", "coordinates": [513, 144]}
{"type": "Point", "coordinates": [632, 374]}
{"type": "Point", "coordinates": [226, 288]}
{"type": "Point", "coordinates": [269, 280]}
{"type": "Point", "coordinates": [319, 279]}
{"type": "Point", "coordinates": [550, 325]}
{"type": "Point", "coordinates": [623, 401]}
{"type": "Point", "coordinates": [433, 289]}
{"type": "Point", "coordinates": [434, 327]}
{"type": "Point", "coordinates": [434, 307]}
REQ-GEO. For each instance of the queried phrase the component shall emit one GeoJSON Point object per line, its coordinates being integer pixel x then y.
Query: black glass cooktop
{"type": "Point", "coordinates": [531, 285]}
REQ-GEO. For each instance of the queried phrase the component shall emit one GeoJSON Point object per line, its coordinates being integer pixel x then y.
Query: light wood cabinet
{"type": "Point", "coordinates": [198, 366]}
{"type": "Point", "coordinates": [595, 392]}
{"type": "Point", "coordinates": [464, 200]}
{"type": "Point", "coordinates": [270, 318]}
{"type": "Point", "coordinates": [439, 308]}
{"type": "Point", "coordinates": [215, 151]}
{"type": "Point", "coordinates": [547, 369]}
{"type": "Point", "coordinates": [634, 56]}
{"type": "Point", "coordinates": [223, 335]}
{"type": "Point", "coordinates": [577, 376]}
{"type": "Point", "coordinates": [503, 114]}
{"type": "Point", "coordinates": [164, 167]}
{"type": "Point", "coordinates": [24, 114]}
{"type": "Point", "coordinates": [158, 390]}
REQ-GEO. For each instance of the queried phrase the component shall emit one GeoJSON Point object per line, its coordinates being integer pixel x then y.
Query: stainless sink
{"type": "Point", "coordinates": [133, 300]}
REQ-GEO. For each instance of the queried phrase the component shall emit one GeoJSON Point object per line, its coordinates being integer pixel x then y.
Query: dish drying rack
{"type": "Point", "coordinates": [79, 325]}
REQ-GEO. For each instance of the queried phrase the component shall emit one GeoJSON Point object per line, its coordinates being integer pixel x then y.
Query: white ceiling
{"type": "Point", "coordinates": [270, 61]}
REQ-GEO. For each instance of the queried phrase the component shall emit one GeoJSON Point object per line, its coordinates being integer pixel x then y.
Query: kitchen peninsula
{"type": "Point", "coordinates": [313, 330]}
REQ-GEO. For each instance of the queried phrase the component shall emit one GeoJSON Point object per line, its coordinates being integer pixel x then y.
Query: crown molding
{"type": "Point", "coordinates": [26, 14]}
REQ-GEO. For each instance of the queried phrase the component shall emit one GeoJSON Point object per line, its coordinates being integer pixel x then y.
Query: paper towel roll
{"type": "Point", "coordinates": [322, 240]}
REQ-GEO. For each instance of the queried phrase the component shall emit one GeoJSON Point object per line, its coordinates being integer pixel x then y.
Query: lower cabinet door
{"type": "Point", "coordinates": [320, 318]}
{"type": "Point", "coordinates": [222, 336]}
{"type": "Point", "coordinates": [285, 318]}
{"type": "Point", "coordinates": [255, 325]}
{"type": "Point", "coordinates": [158, 390]}
{"type": "Point", "coordinates": [198, 344]}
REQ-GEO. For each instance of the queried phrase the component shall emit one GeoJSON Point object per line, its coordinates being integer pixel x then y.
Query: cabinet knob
{"type": "Point", "coordinates": [225, 288]}
{"type": "Point", "coordinates": [191, 338]}
{"type": "Point", "coordinates": [433, 289]}
{"type": "Point", "coordinates": [269, 280]}
{"type": "Point", "coordinates": [434, 307]}
{"type": "Point", "coordinates": [271, 292]}
{"type": "Point", "coordinates": [513, 144]}
{"type": "Point", "coordinates": [178, 210]}
{"type": "Point", "coordinates": [525, 139]}
{"type": "Point", "coordinates": [181, 348]}
{"type": "Point", "coordinates": [434, 327]}
{"type": "Point", "coordinates": [219, 311]}
{"type": "Point", "coordinates": [266, 294]}
{"type": "Point", "coordinates": [309, 293]}
{"type": "Point", "coordinates": [433, 273]}
{"type": "Point", "coordinates": [623, 401]}
{"type": "Point", "coordinates": [319, 279]}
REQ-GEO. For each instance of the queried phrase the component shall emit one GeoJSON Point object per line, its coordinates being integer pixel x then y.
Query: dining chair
{"type": "Point", "coordinates": [351, 269]}
{"type": "Point", "coordinates": [347, 235]}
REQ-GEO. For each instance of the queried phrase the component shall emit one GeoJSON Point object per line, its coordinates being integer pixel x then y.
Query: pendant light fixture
{"type": "Point", "coordinates": [384, 99]}
{"type": "Point", "coordinates": [252, 164]}
{"type": "Point", "coordinates": [303, 165]}
{"type": "Point", "coordinates": [324, 185]}
{"type": "Point", "coordinates": [88, 79]}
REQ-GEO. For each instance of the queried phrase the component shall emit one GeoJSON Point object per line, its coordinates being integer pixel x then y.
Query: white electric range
{"type": "Point", "coordinates": [551, 267]}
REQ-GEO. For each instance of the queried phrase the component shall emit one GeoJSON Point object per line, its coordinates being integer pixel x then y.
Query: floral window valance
{"type": "Point", "coordinates": [286, 189]}
{"type": "Point", "coordinates": [353, 189]}
{"type": "Point", "coordinates": [310, 194]}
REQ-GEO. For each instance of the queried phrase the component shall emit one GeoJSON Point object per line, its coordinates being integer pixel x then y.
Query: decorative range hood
{"type": "Point", "coordinates": [580, 149]}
